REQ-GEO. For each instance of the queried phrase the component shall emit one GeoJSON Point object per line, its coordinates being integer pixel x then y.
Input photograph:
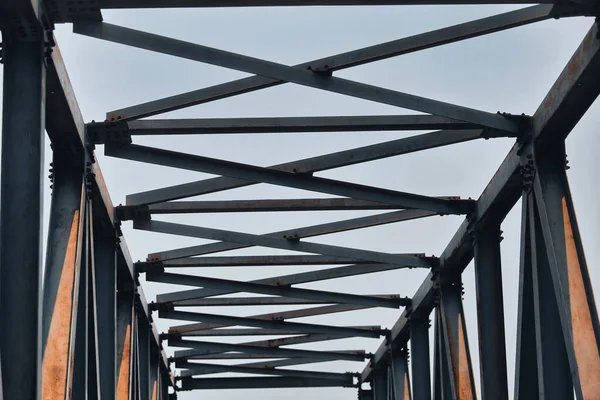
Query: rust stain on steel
{"type": "Point", "coordinates": [406, 390]}
{"type": "Point", "coordinates": [584, 340]}
{"type": "Point", "coordinates": [123, 380]}
{"type": "Point", "coordinates": [463, 380]}
{"type": "Point", "coordinates": [460, 360]}
{"type": "Point", "coordinates": [154, 389]}
{"type": "Point", "coordinates": [55, 365]}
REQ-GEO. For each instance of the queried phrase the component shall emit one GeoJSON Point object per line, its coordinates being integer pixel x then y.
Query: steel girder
{"type": "Point", "coordinates": [97, 337]}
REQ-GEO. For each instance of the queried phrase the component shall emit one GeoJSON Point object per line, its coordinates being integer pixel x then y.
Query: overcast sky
{"type": "Point", "coordinates": [508, 71]}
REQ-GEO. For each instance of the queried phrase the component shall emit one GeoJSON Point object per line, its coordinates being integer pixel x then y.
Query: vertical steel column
{"type": "Point", "coordinates": [80, 357]}
{"type": "Point", "coordinates": [437, 357]}
{"type": "Point", "coordinates": [420, 364]}
{"type": "Point", "coordinates": [93, 350]}
{"type": "Point", "coordinates": [443, 383]}
{"type": "Point", "coordinates": [106, 309]}
{"type": "Point", "coordinates": [61, 279]}
{"type": "Point", "coordinates": [526, 373]}
{"type": "Point", "coordinates": [164, 385]}
{"type": "Point", "coordinates": [490, 313]}
{"type": "Point", "coordinates": [380, 383]}
{"type": "Point", "coordinates": [456, 344]}
{"type": "Point", "coordinates": [125, 333]}
{"type": "Point", "coordinates": [365, 394]}
{"type": "Point", "coordinates": [154, 371]}
{"type": "Point", "coordinates": [554, 377]}
{"type": "Point", "coordinates": [21, 217]}
{"type": "Point", "coordinates": [567, 271]}
{"type": "Point", "coordinates": [144, 356]}
{"type": "Point", "coordinates": [135, 381]}
{"type": "Point", "coordinates": [401, 380]}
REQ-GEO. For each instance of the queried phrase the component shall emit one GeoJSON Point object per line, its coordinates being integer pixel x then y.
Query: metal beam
{"type": "Point", "coordinates": [554, 372]}
{"type": "Point", "coordinates": [400, 376]}
{"type": "Point", "coordinates": [238, 62]}
{"type": "Point", "coordinates": [106, 295]}
{"type": "Point", "coordinates": [262, 383]}
{"type": "Point", "coordinates": [273, 242]}
{"type": "Point", "coordinates": [293, 340]}
{"type": "Point", "coordinates": [263, 323]}
{"type": "Point", "coordinates": [312, 164]}
{"type": "Point", "coordinates": [63, 256]}
{"type": "Point", "coordinates": [203, 368]}
{"type": "Point", "coordinates": [526, 369]}
{"type": "Point", "coordinates": [260, 205]}
{"type": "Point", "coordinates": [103, 132]}
{"type": "Point", "coordinates": [111, 4]}
{"type": "Point", "coordinates": [341, 61]}
{"type": "Point", "coordinates": [200, 348]}
{"type": "Point", "coordinates": [282, 178]}
{"type": "Point", "coordinates": [567, 270]}
{"type": "Point", "coordinates": [284, 362]}
{"type": "Point", "coordinates": [252, 356]}
{"type": "Point", "coordinates": [288, 280]}
{"type": "Point", "coordinates": [125, 335]}
{"type": "Point", "coordinates": [459, 366]}
{"type": "Point", "coordinates": [260, 332]}
{"type": "Point", "coordinates": [420, 364]}
{"type": "Point", "coordinates": [258, 301]}
{"type": "Point", "coordinates": [239, 286]}
{"type": "Point", "coordinates": [250, 261]}
{"type": "Point", "coordinates": [380, 383]}
{"type": "Point", "coordinates": [21, 206]}
{"type": "Point", "coordinates": [490, 313]}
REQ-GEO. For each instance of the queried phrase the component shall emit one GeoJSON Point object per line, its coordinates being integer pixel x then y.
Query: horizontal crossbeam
{"type": "Point", "coordinates": [103, 132]}
{"type": "Point", "coordinates": [262, 383]}
{"type": "Point", "coordinates": [237, 206]}
{"type": "Point", "coordinates": [108, 4]}
{"type": "Point", "coordinates": [260, 332]}
{"type": "Point", "coordinates": [193, 369]}
{"type": "Point", "coordinates": [254, 261]}
{"type": "Point", "coordinates": [273, 363]}
{"type": "Point", "coordinates": [255, 301]}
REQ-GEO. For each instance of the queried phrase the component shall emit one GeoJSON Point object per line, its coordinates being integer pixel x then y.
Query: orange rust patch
{"type": "Point", "coordinates": [56, 354]}
{"type": "Point", "coordinates": [123, 381]}
{"type": "Point", "coordinates": [406, 392]}
{"type": "Point", "coordinates": [154, 389]}
{"type": "Point", "coordinates": [463, 379]}
{"type": "Point", "coordinates": [584, 340]}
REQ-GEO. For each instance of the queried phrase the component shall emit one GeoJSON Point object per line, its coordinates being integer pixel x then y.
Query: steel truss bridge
{"type": "Point", "coordinates": [88, 330]}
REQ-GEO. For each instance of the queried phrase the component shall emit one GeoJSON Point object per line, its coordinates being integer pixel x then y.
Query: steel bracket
{"type": "Point", "coordinates": [133, 213]}
{"type": "Point", "coordinates": [581, 8]}
{"type": "Point", "coordinates": [113, 133]}
{"type": "Point", "coordinates": [145, 266]}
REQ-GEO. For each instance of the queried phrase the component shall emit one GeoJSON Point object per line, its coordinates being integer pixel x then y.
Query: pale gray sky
{"type": "Point", "coordinates": [508, 71]}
